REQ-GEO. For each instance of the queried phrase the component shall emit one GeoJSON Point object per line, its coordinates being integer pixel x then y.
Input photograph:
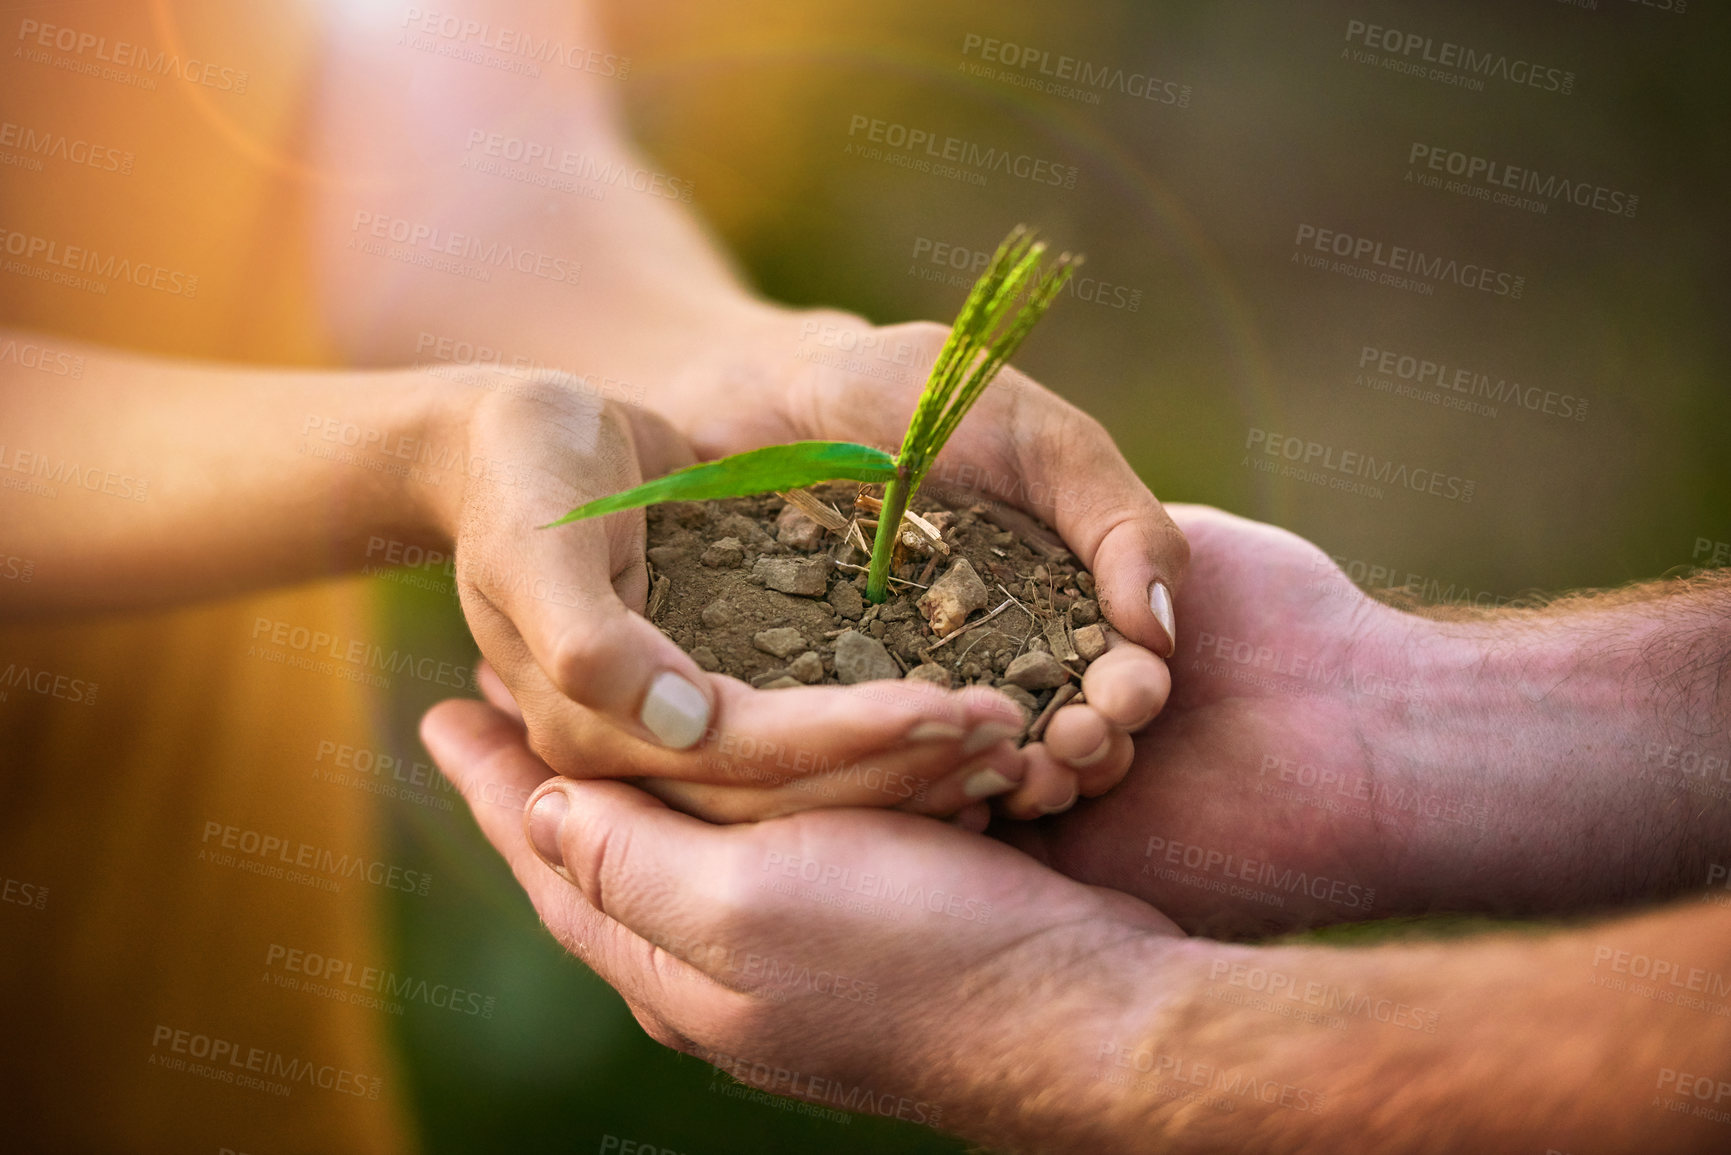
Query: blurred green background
{"type": "Point", "coordinates": [1196, 208]}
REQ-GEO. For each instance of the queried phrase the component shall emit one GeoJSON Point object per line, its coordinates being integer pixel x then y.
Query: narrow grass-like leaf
{"type": "Point", "coordinates": [773, 467]}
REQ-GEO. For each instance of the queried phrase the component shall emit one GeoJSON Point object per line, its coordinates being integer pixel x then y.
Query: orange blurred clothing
{"type": "Point", "coordinates": [148, 150]}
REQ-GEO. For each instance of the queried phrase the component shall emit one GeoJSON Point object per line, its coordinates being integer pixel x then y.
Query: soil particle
{"type": "Point", "coordinates": [953, 597]}
{"type": "Point", "coordinates": [859, 658]}
{"type": "Point", "coordinates": [725, 553]}
{"type": "Point", "coordinates": [806, 577]}
{"type": "Point", "coordinates": [1036, 670]}
{"type": "Point", "coordinates": [755, 589]}
{"type": "Point", "coordinates": [783, 641]}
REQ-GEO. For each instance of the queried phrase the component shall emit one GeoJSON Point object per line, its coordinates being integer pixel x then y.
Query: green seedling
{"type": "Point", "coordinates": [1001, 309]}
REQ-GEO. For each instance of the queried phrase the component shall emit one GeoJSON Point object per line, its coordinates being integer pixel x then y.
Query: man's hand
{"type": "Point", "coordinates": [1326, 756]}
{"type": "Point", "coordinates": [885, 961]}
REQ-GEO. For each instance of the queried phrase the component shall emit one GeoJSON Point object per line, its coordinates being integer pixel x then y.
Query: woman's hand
{"type": "Point", "coordinates": [780, 375]}
{"type": "Point", "coordinates": [558, 613]}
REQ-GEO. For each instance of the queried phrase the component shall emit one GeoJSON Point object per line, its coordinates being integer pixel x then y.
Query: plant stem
{"type": "Point", "coordinates": [896, 493]}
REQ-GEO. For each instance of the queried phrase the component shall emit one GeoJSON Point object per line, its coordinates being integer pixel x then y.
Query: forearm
{"type": "Point", "coordinates": [640, 288]}
{"type": "Point", "coordinates": [145, 482]}
{"type": "Point", "coordinates": [1513, 1042]}
{"type": "Point", "coordinates": [1591, 741]}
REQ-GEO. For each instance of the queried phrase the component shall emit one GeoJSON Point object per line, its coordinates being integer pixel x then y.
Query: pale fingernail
{"type": "Point", "coordinates": [675, 711]}
{"type": "Point", "coordinates": [934, 732]}
{"type": "Point", "coordinates": [1062, 806]}
{"type": "Point", "coordinates": [987, 734]}
{"type": "Point", "coordinates": [545, 819]}
{"type": "Point", "coordinates": [1160, 601]}
{"type": "Point", "coordinates": [1087, 760]}
{"type": "Point", "coordinates": [986, 783]}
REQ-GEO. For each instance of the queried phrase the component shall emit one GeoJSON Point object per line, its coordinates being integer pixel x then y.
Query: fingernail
{"type": "Point", "coordinates": [987, 734]}
{"type": "Point", "coordinates": [1062, 806]}
{"type": "Point", "coordinates": [934, 732]}
{"type": "Point", "coordinates": [1160, 601]}
{"type": "Point", "coordinates": [1087, 760]}
{"type": "Point", "coordinates": [986, 783]}
{"type": "Point", "coordinates": [675, 711]}
{"type": "Point", "coordinates": [545, 819]}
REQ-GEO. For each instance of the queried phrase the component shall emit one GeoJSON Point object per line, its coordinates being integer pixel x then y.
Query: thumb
{"type": "Point", "coordinates": [590, 645]}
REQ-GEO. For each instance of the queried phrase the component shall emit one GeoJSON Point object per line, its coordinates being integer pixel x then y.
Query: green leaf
{"type": "Point", "coordinates": [790, 466]}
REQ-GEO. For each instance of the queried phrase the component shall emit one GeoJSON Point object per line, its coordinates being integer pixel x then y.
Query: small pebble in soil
{"type": "Point", "coordinates": [953, 597]}
{"type": "Point", "coordinates": [808, 667]}
{"type": "Point", "coordinates": [859, 658]}
{"type": "Point", "coordinates": [1036, 670]}
{"type": "Point", "coordinates": [847, 601]}
{"type": "Point", "coordinates": [1090, 642]}
{"type": "Point", "coordinates": [725, 553]}
{"type": "Point", "coordinates": [805, 577]}
{"type": "Point", "coordinates": [783, 642]}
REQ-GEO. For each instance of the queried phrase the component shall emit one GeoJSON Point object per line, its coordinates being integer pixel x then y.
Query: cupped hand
{"type": "Point", "coordinates": [832, 376]}
{"type": "Point", "coordinates": [874, 961]}
{"type": "Point", "coordinates": [1273, 791]}
{"type": "Point", "coordinates": [558, 614]}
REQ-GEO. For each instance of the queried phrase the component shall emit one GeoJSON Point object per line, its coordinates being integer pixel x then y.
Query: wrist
{"type": "Point", "coordinates": [427, 456]}
{"type": "Point", "coordinates": [1527, 724]}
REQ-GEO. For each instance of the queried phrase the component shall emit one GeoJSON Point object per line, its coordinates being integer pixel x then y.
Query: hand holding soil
{"type": "Point", "coordinates": [735, 620]}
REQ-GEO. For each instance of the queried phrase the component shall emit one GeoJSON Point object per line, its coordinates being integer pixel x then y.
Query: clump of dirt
{"type": "Point", "coordinates": [773, 593]}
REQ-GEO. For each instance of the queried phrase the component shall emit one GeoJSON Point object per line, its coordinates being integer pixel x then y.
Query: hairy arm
{"type": "Point", "coordinates": [1607, 1038]}
{"type": "Point", "coordinates": [1326, 756]}
{"type": "Point", "coordinates": [1596, 731]}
